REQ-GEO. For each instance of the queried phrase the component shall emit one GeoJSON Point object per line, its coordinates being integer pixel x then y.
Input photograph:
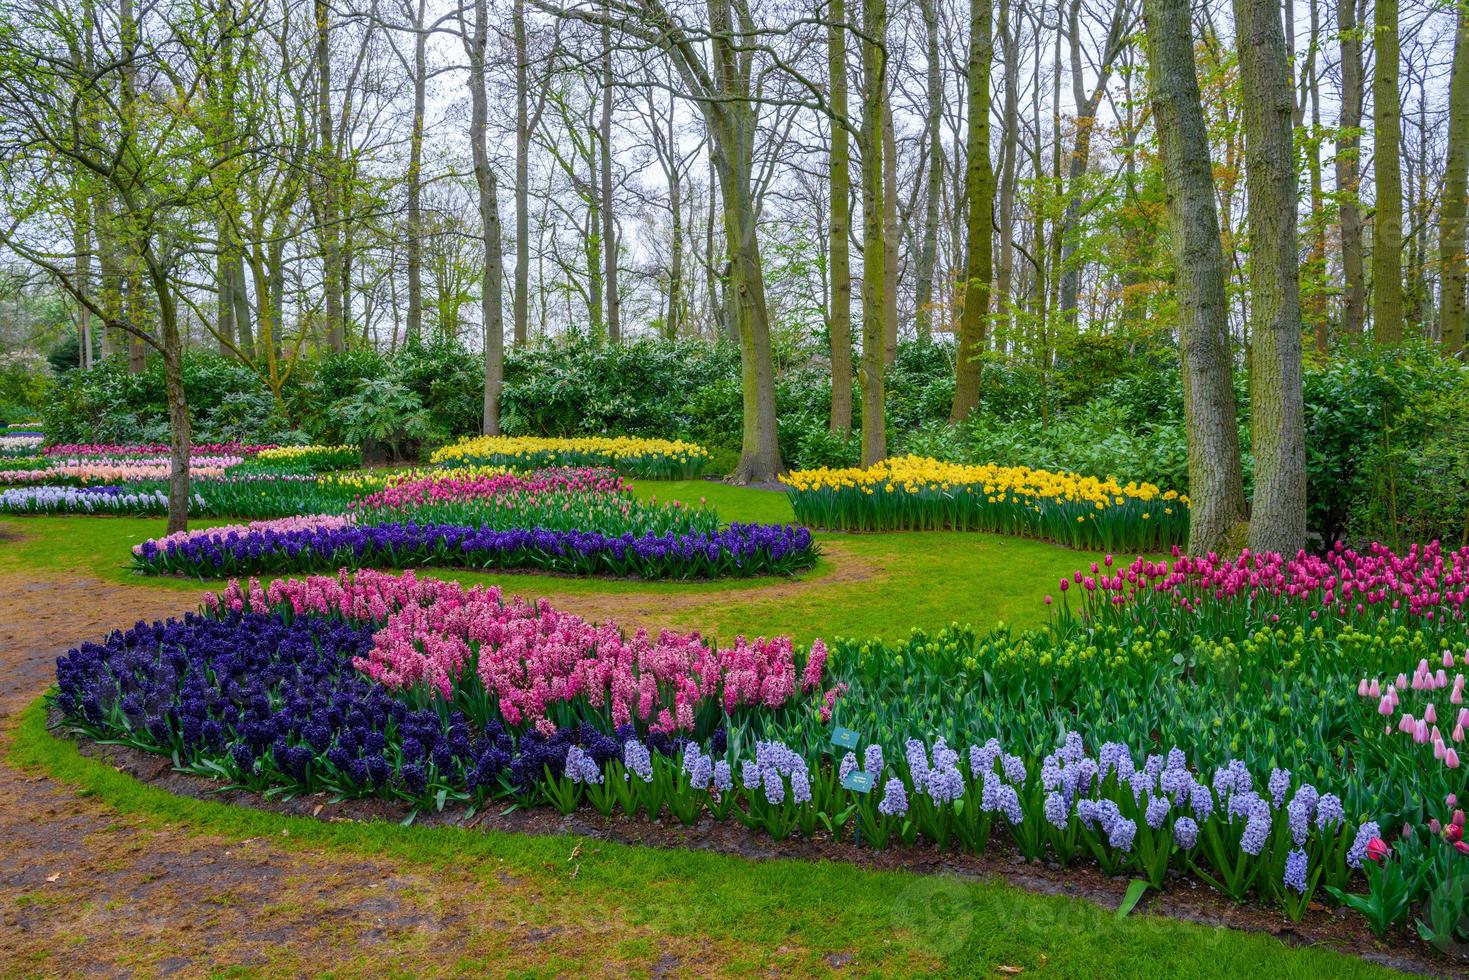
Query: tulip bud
{"type": "Point", "coordinates": [1451, 759]}
{"type": "Point", "coordinates": [1377, 849]}
{"type": "Point", "coordinates": [1430, 714]}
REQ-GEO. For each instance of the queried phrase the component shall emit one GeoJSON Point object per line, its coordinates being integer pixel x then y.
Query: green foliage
{"type": "Point", "coordinates": [382, 415]}
{"type": "Point", "coordinates": [108, 404]}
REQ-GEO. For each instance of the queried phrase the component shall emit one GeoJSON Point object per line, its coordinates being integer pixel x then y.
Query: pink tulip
{"type": "Point", "coordinates": [1429, 714]}
{"type": "Point", "coordinates": [1451, 759]}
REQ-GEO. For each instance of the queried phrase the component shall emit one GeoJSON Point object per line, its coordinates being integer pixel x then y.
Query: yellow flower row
{"type": "Point", "coordinates": [620, 447]}
{"type": "Point", "coordinates": [378, 479]}
{"type": "Point", "coordinates": [287, 454]}
{"type": "Point", "coordinates": [1000, 484]}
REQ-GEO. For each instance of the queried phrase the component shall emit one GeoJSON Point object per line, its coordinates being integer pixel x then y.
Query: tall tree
{"type": "Point", "coordinates": [934, 181]}
{"type": "Point", "coordinates": [328, 173]}
{"type": "Point", "coordinates": [1348, 167]}
{"type": "Point", "coordinates": [492, 278]}
{"type": "Point", "coordinates": [1387, 220]}
{"type": "Point", "coordinates": [1216, 481]}
{"type": "Point", "coordinates": [609, 215]}
{"type": "Point", "coordinates": [1453, 267]}
{"type": "Point", "coordinates": [839, 316]}
{"type": "Point", "coordinates": [523, 130]}
{"type": "Point", "coordinates": [874, 336]}
{"type": "Point", "coordinates": [1277, 412]}
{"type": "Point", "coordinates": [979, 222]}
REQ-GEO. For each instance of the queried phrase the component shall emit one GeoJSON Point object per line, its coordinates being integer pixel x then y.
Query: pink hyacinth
{"type": "Point", "coordinates": [438, 637]}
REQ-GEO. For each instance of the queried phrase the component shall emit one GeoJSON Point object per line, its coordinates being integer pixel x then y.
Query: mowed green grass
{"type": "Point", "coordinates": [782, 916]}
{"type": "Point", "coordinates": [867, 585]}
{"type": "Point", "coordinates": [789, 917]}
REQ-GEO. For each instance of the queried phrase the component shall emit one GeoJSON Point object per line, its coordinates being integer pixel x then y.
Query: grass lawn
{"type": "Point", "coordinates": [739, 915]}
{"type": "Point", "coordinates": [728, 915]}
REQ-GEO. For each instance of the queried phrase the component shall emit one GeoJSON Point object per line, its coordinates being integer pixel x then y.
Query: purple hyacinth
{"type": "Point", "coordinates": [982, 758]}
{"type": "Point", "coordinates": [1009, 803]}
{"type": "Point", "coordinates": [636, 758]}
{"type": "Point", "coordinates": [1086, 772]}
{"type": "Point", "coordinates": [894, 799]}
{"type": "Point", "coordinates": [699, 767]}
{"type": "Point", "coordinates": [1056, 812]}
{"type": "Point", "coordinates": [848, 766]}
{"type": "Point", "coordinates": [1088, 811]}
{"type": "Point", "coordinates": [1279, 783]}
{"type": "Point", "coordinates": [872, 759]}
{"type": "Point", "coordinates": [1298, 813]}
{"type": "Point", "coordinates": [1157, 811]}
{"type": "Point", "coordinates": [775, 787]}
{"type": "Point", "coordinates": [1366, 833]}
{"type": "Point", "coordinates": [1177, 759]}
{"type": "Point", "coordinates": [723, 778]}
{"type": "Point", "coordinates": [1176, 783]}
{"type": "Point", "coordinates": [1296, 867]}
{"type": "Point", "coordinates": [1153, 765]}
{"type": "Point", "coordinates": [1329, 812]}
{"type": "Point", "coordinates": [1072, 750]}
{"type": "Point", "coordinates": [917, 758]}
{"type": "Point", "coordinates": [1185, 832]}
{"type": "Point", "coordinates": [800, 786]}
{"type": "Point", "coordinates": [750, 774]}
{"type": "Point", "coordinates": [945, 785]}
{"type": "Point", "coordinates": [1051, 773]}
{"type": "Point", "coordinates": [1257, 828]}
{"type": "Point", "coordinates": [1141, 782]}
{"type": "Point", "coordinates": [1121, 835]}
{"type": "Point", "coordinates": [582, 768]}
{"type": "Point", "coordinates": [1202, 801]}
{"type": "Point", "coordinates": [1014, 768]}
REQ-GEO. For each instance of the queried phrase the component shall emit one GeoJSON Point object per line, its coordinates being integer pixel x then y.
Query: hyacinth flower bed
{"type": "Point", "coordinates": [654, 459]}
{"type": "Point", "coordinates": [322, 544]}
{"type": "Point", "coordinates": [85, 471]}
{"type": "Point", "coordinates": [20, 444]}
{"type": "Point", "coordinates": [146, 449]}
{"type": "Point", "coordinates": [561, 499]}
{"type": "Point", "coordinates": [423, 692]}
{"type": "Point", "coordinates": [914, 493]}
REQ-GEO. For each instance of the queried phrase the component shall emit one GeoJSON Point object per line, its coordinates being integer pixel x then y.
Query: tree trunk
{"type": "Point", "coordinates": [522, 176]}
{"type": "Point", "coordinates": [414, 245]}
{"type": "Point", "coordinates": [928, 249]}
{"type": "Point", "coordinates": [329, 173]}
{"type": "Point", "coordinates": [1216, 482]}
{"type": "Point", "coordinates": [1010, 40]}
{"type": "Point", "coordinates": [1387, 221]}
{"type": "Point", "coordinates": [1453, 269]}
{"type": "Point", "coordinates": [1277, 415]}
{"type": "Point", "coordinates": [492, 285]}
{"type": "Point", "coordinates": [1348, 169]}
{"type": "Point", "coordinates": [980, 191]}
{"type": "Point", "coordinates": [839, 325]}
{"type": "Point", "coordinates": [892, 232]}
{"type": "Point", "coordinates": [674, 321]}
{"type": "Point", "coordinates": [609, 219]}
{"type": "Point", "coordinates": [874, 265]}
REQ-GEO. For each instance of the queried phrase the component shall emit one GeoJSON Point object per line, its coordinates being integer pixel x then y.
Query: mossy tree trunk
{"type": "Point", "coordinates": [1277, 413]}
{"type": "Point", "coordinates": [979, 221]}
{"type": "Point", "coordinates": [1216, 482]}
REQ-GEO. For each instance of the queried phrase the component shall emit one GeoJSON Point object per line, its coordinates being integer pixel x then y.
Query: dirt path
{"type": "Point", "coordinates": [85, 890]}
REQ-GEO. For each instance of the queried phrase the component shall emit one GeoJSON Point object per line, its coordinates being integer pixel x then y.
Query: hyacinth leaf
{"type": "Point", "coordinates": [1135, 889]}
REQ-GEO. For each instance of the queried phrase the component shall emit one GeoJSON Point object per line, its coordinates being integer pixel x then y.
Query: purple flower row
{"type": "Point", "coordinates": [738, 550]}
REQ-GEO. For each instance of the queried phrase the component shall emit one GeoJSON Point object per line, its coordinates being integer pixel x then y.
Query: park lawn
{"type": "Point", "coordinates": [867, 585]}
{"type": "Point", "coordinates": [739, 915]}
{"type": "Point", "coordinates": [725, 915]}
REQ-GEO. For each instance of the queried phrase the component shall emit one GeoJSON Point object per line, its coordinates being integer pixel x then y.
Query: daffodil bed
{"type": "Point", "coordinates": [915, 493]}
{"type": "Point", "coordinates": [1284, 731]}
{"type": "Point", "coordinates": [654, 459]}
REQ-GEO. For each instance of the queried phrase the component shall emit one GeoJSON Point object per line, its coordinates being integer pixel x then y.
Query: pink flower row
{"type": "Point", "coordinates": [225, 531]}
{"type": "Point", "coordinates": [1423, 729]}
{"type": "Point", "coordinates": [1426, 581]}
{"type": "Point", "coordinates": [449, 488]}
{"type": "Point", "coordinates": [153, 449]}
{"type": "Point", "coordinates": [117, 470]}
{"type": "Point", "coordinates": [437, 637]}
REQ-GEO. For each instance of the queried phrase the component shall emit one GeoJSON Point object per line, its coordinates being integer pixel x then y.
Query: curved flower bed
{"type": "Point", "coordinates": [316, 459]}
{"type": "Point", "coordinates": [657, 459]}
{"type": "Point", "coordinates": [738, 550]}
{"type": "Point", "coordinates": [425, 692]}
{"type": "Point", "coordinates": [914, 493]}
{"type": "Point", "coordinates": [21, 444]}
